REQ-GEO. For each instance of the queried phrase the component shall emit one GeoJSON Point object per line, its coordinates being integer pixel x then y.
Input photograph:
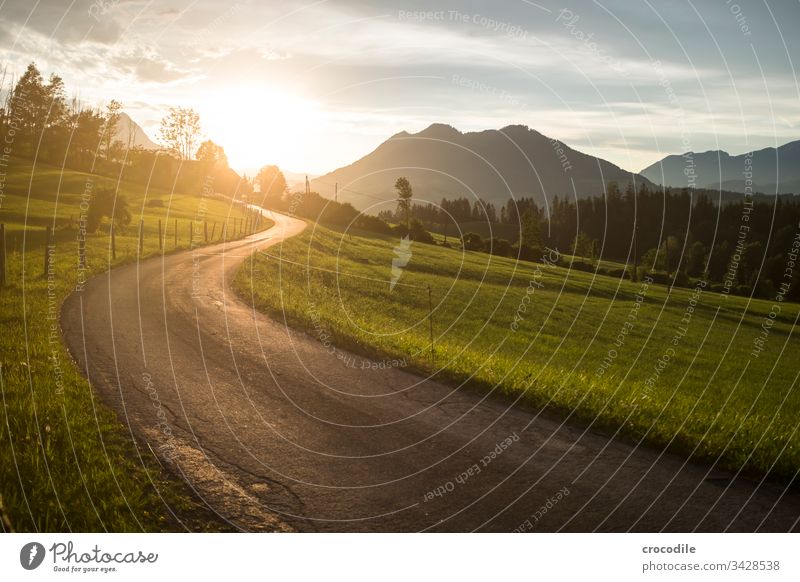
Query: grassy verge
{"type": "Point", "coordinates": [66, 463]}
{"type": "Point", "coordinates": [678, 370]}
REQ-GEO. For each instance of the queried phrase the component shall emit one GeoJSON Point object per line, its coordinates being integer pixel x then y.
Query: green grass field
{"type": "Point", "coordinates": [66, 462]}
{"type": "Point", "coordinates": [600, 264]}
{"type": "Point", "coordinates": [677, 370]}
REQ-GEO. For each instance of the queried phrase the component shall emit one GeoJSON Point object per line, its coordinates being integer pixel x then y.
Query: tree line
{"type": "Point", "coordinates": [38, 120]}
{"type": "Point", "coordinates": [681, 233]}
{"type": "Point", "coordinates": [743, 245]}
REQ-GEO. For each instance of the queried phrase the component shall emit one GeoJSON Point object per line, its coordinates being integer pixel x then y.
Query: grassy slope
{"type": "Point", "coordinates": [66, 463]}
{"type": "Point", "coordinates": [711, 398]}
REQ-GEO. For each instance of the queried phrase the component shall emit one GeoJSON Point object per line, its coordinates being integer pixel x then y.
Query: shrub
{"type": "Point", "coordinates": [681, 279]}
{"type": "Point", "coordinates": [107, 204]}
{"type": "Point", "coordinates": [618, 273]}
{"type": "Point", "coordinates": [578, 266]}
{"type": "Point", "coordinates": [498, 246]}
{"type": "Point", "coordinates": [523, 252]}
{"type": "Point", "coordinates": [372, 224]}
{"type": "Point", "coordinates": [660, 277]}
{"type": "Point", "coordinates": [472, 242]}
{"type": "Point", "coordinates": [419, 234]}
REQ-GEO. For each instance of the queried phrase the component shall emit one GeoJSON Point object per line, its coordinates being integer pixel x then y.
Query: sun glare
{"type": "Point", "coordinates": [259, 125]}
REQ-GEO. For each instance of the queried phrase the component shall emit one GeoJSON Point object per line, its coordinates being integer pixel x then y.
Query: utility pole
{"type": "Point", "coordinates": [336, 192]}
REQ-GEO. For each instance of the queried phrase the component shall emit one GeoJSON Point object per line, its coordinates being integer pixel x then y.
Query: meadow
{"type": "Point", "coordinates": [708, 375]}
{"type": "Point", "coordinates": [66, 462]}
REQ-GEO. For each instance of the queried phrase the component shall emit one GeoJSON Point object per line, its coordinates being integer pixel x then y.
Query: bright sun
{"type": "Point", "coordinates": [259, 125]}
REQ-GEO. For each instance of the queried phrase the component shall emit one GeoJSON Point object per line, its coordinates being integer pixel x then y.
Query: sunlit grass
{"type": "Point", "coordinates": [712, 398]}
{"type": "Point", "coordinates": [66, 462]}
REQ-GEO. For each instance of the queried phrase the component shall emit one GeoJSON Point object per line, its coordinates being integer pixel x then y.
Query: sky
{"type": "Point", "coordinates": [314, 85]}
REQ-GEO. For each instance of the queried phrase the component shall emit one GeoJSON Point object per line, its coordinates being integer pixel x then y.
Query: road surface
{"type": "Point", "coordinates": [274, 432]}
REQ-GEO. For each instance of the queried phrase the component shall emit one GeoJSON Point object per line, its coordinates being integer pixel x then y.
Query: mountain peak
{"type": "Point", "coordinates": [439, 131]}
{"type": "Point", "coordinates": [443, 162]}
{"type": "Point", "coordinates": [130, 132]}
{"type": "Point", "coordinates": [517, 128]}
{"type": "Point", "coordinates": [719, 170]}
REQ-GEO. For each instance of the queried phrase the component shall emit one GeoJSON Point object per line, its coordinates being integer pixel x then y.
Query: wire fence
{"type": "Point", "coordinates": [198, 231]}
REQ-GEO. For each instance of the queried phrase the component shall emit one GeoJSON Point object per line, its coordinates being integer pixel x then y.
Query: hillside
{"type": "Point", "coordinates": [550, 343]}
{"type": "Point", "coordinates": [773, 170]}
{"type": "Point", "coordinates": [40, 382]}
{"type": "Point", "coordinates": [442, 162]}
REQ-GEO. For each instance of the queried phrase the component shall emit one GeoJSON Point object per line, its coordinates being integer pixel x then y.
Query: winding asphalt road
{"type": "Point", "coordinates": [274, 432]}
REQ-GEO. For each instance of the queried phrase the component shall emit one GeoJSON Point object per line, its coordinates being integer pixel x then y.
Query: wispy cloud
{"type": "Point", "coordinates": [625, 80]}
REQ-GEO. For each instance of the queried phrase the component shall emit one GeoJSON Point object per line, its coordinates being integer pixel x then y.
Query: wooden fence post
{"type": "Point", "coordinates": [205, 230]}
{"type": "Point", "coordinates": [190, 234]}
{"type": "Point", "coordinates": [113, 242]}
{"type": "Point", "coordinates": [82, 251]}
{"type": "Point", "coordinates": [213, 230]}
{"type": "Point", "coordinates": [430, 322]}
{"type": "Point", "coordinates": [2, 255]}
{"type": "Point", "coordinates": [48, 241]}
{"type": "Point", "coordinates": [141, 235]}
{"type": "Point", "coordinates": [176, 233]}
{"type": "Point", "coordinates": [160, 240]}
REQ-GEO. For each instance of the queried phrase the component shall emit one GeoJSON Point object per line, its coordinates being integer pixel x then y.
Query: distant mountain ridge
{"type": "Point", "coordinates": [127, 127]}
{"type": "Point", "coordinates": [442, 162]}
{"type": "Point", "coordinates": [771, 170]}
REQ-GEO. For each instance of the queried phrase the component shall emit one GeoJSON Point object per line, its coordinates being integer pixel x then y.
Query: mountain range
{"type": "Point", "coordinates": [442, 162]}
{"type": "Point", "coordinates": [773, 170]}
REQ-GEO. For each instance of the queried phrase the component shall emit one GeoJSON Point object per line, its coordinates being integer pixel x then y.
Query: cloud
{"type": "Point", "coordinates": [375, 72]}
{"type": "Point", "coordinates": [63, 22]}
{"type": "Point", "coordinates": [149, 68]}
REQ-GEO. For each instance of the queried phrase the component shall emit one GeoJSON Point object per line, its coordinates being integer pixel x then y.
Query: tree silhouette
{"type": "Point", "coordinates": [180, 130]}
{"type": "Point", "coordinates": [272, 184]}
{"type": "Point", "coordinates": [113, 114]}
{"type": "Point", "coordinates": [27, 107]}
{"type": "Point", "coordinates": [211, 152]}
{"type": "Point", "coordinates": [404, 195]}
{"type": "Point", "coordinates": [696, 259]}
{"type": "Point", "coordinates": [582, 246]}
{"type": "Point", "coordinates": [531, 233]}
